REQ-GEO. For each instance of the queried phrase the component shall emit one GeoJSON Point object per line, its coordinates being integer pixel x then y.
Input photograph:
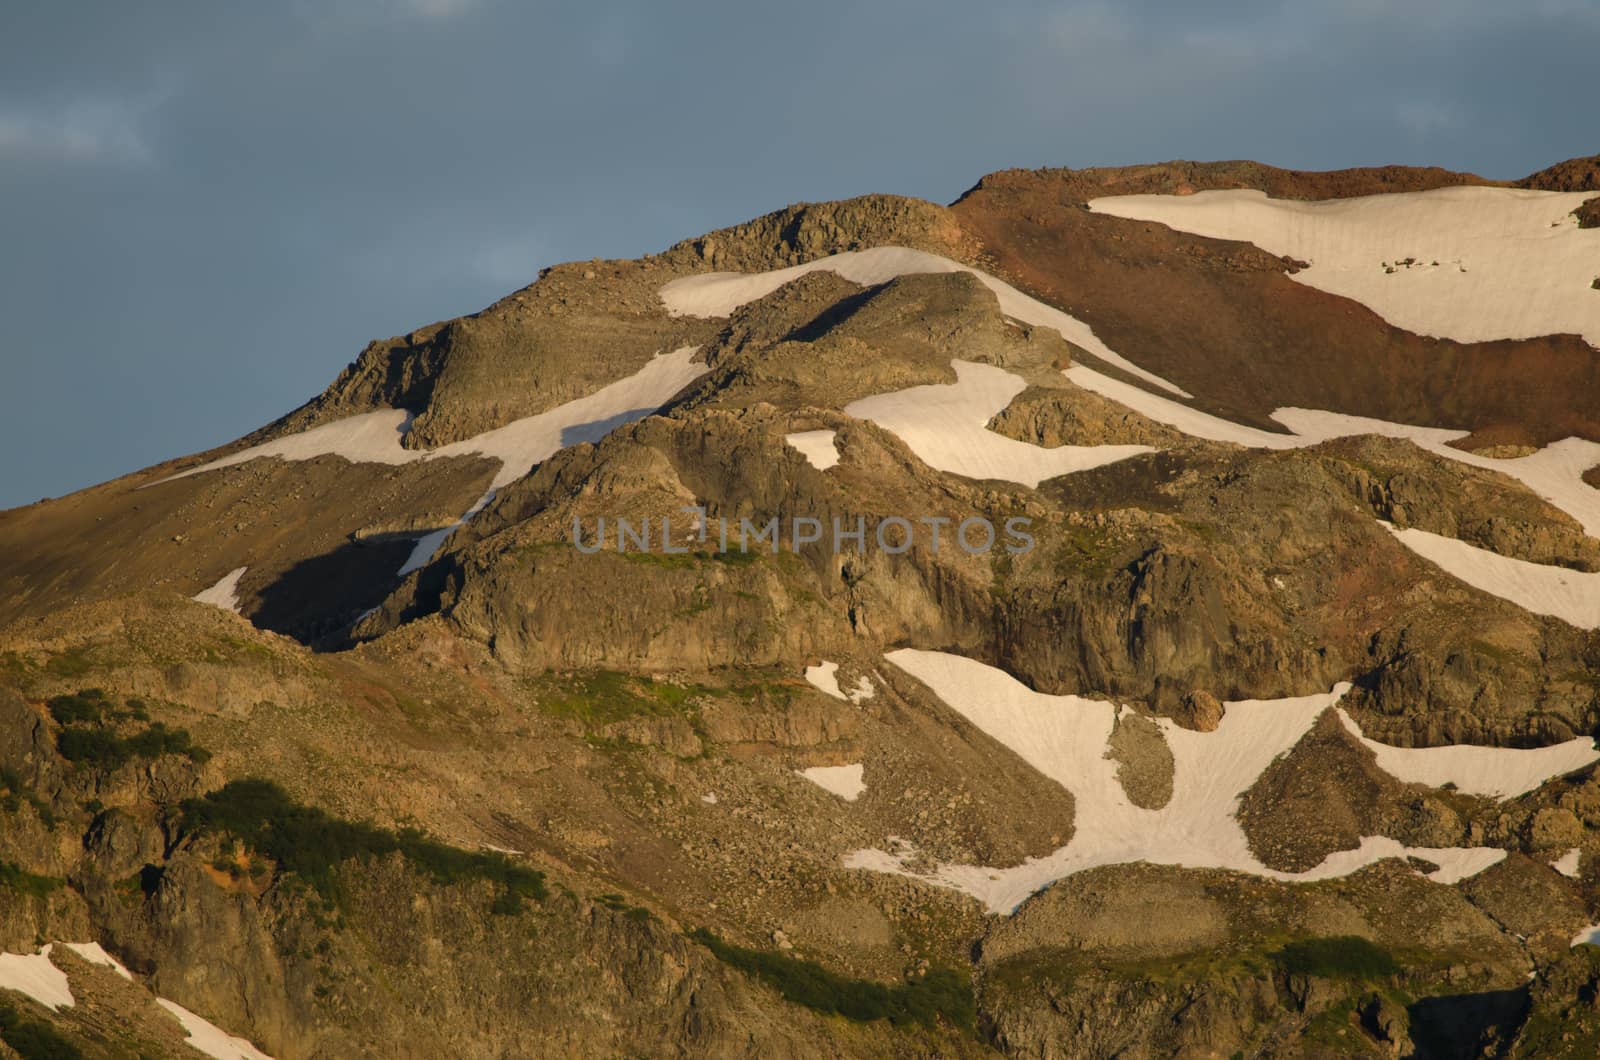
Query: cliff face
{"type": "Point", "coordinates": [1281, 719]}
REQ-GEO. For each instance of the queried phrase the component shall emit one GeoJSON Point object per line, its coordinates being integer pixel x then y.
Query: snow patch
{"type": "Point", "coordinates": [208, 1038]}
{"type": "Point", "coordinates": [1470, 264]}
{"type": "Point", "coordinates": [1065, 738]}
{"type": "Point", "coordinates": [33, 974]}
{"type": "Point", "coordinates": [429, 543]}
{"type": "Point", "coordinates": [1495, 772]}
{"type": "Point", "coordinates": [1554, 473]}
{"type": "Point", "coordinates": [843, 781]}
{"type": "Point", "coordinates": [863, 691]}
{"type": "Point", "coordinates": [1572, 596]}
{"type": "Point", "coordinates": [816, 446]}
{"type": "Point", "coordinates": [1589, 936]}
{"type": "Point", "coordinates": [717, 294]}
{"type": "Point", "coordinates": [225, 593]}
{"type": "Point", "coordinates": [1567, 864]}
{"type": "Point", "coordinates": [945, 425]}
{"type": "Point", "coordinates": [94, 953]}
{"type": "Point", "coordinates": [709, 798]}
{"type": "Point", "coordinates": [825, 676]}
{"type": "Point", "coordinates": [374, 437]}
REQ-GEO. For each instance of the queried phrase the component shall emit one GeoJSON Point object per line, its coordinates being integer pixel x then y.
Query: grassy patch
{"type": "Point", "coordinates": [605, 696]}
{"type": "Point", "coordinates": [21, 881]}
{"type": "Point", "coordinates": [33, 1040]}
{"type": "Point", "coordinates": [733, 557]}
{"type": "Point", "coordinates": [1337, 957]}
{"type": "Point", "coordinates": [72, 663]}
{"type": "Point", "coordinates": [943, 994]}
{"type": "Point", "coordinates": [312, 844]}
{"type": "Point", "coordinates": [1082, 551]}
{"type": "Point", "coordinates": [1341, 957]}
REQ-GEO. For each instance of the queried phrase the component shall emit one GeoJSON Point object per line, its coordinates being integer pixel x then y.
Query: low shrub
{"type": "Point", "coordinates": [20, 881]}
{"type": "Point", "coordinates": [312, 844]}
{"type": "Point", "coordinates": [942, 993]}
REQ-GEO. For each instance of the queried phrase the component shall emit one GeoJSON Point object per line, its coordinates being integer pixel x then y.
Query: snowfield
{"type": "Point", "coordinates": [225, 593]}
{"type": "Point", "coordinates": [1066, 737]}
{"type": "Point", "coordinates": [1554, 472]}
{"type": "Point", "coordinates": [816, 446]}
{"type": "Point", "coordinates": [1572, 596]}
{"type": "Point", "coordinates": [945, 425]}
{"type": "Point", "coordinates": [1496, 772]}
{"type": "Point", "coordinates": [1484, 263]}
{"type": "Point", "coordinates": [843, 781]}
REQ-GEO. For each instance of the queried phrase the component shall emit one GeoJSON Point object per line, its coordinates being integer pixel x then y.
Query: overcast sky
{"type": "Point", "coordinates": [208, 207]}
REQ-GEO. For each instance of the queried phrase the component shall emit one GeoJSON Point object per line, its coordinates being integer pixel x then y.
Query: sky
{"type": "Point", "coordinates": [207, 207]}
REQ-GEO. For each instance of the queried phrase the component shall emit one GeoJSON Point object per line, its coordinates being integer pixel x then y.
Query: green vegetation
{"type": "Point", "coordinates": [733, 557]}
{"type": "Point", "coordinates": [21, 881]}
{"type": "Point", "coordinates": [942, 993]}
{"type": "Point", "coordinates": [72, 663]}
{"type": "Point", "coordinates": [606, 696]}
{"type": "Point", "coordinates": [1346, 957]}
{"type": "Point", "coordinates": [86, 735]}
{"type": "Point", "coordinates": [312, 844]}
{"type": "Point", "coordinates": [85, 705]}
{"type": "Point", "coordinates": [620, 904]}
{"type": "Point", "coordinates": [107, 750]}
{"type": "Point", "coordinates": [1338, 957]}
{"type": "Point", "coordinates": [1082, 551]}
{"type": "Point", "coordinates": [33, 1040]}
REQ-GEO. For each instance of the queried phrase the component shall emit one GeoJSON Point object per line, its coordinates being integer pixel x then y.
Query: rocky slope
{"type": "Point", "coordinates": [494, 792]}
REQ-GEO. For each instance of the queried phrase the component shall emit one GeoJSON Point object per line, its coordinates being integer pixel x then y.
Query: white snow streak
{"type": "Point", "coordinates": [944, 424]}
{"type": "Point", "coordinates": [374, 437]}
{"type": "Point", "coordinates": [843, 781]}
{"type": "Point", "coordinates": [208, 1038]}
{"type": "Point", "coordinates": [717, 294]}
{"type": "Point", "coordinates": [225, 593]}
{"type": "Point", "coordinates": [94, 953]}
{"type": "Point", "coordinates": [1496, 772]}
{"type": "Point", "coordinates": [1489, 263]}
{"type": "Point", "coordinates": [1567, 864]}
{"type": "Point", "coordinates": [1572, 596]}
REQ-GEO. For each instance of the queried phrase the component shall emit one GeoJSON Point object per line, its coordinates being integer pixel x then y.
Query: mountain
{"type": "Point", "coordinates": [1141, 612]}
